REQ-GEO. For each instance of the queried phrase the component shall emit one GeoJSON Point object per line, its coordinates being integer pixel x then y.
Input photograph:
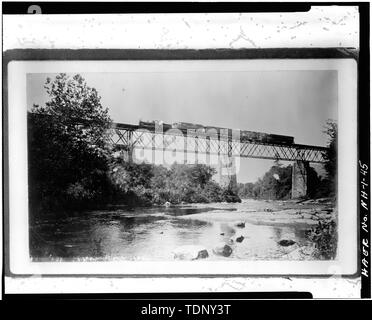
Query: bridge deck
{"type": "Point", "coordinates": [220, 143]}
{"type": "Point", "coordinates": [217, 143]}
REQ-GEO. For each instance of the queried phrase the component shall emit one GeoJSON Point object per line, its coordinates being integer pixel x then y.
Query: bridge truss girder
{"type": "Point", "coordinates": [132, 137]}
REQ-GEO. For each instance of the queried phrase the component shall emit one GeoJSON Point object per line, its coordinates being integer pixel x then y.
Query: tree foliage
{"type": "Point", "coordinates": [324, 236]}
{"type": "Point", "coordinates": [71, 166]}
{"type": "Point", "coordinates": [331, 156]}
{"type": "Point", "coordinates": [145, 184]}
{"type": "Point", "coordinates": [275, 184]}
{"type": "Point", "coordinates": [67, 144]}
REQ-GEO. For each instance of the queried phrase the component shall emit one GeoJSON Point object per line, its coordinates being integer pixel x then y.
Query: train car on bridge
{"type": "Point", "coordinates": [151, 125]}
{"type": "Point", "coordinates": [187, 126]}
{"type": "Point", "coordinates": [280, 139]}
{"type": "Point", "coordinates": [183, 126]}
{"type": "Point", "coordinates": [245, 136]}
{"type": "Point", "coordinates": [265, 137]}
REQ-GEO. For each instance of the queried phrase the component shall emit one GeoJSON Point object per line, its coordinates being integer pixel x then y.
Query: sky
{"type": "Point", "coordinates": [295, 103]}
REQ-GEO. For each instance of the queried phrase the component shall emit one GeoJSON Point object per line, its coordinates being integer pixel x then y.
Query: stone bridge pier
{"type": "Point", "coordinates": [227, 173]}
{"type": "Point", "coordinates": [300, 171]}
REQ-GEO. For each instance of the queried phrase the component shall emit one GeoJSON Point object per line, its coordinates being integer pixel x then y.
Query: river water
{"type": "Point", "coordinates": [154, 233]}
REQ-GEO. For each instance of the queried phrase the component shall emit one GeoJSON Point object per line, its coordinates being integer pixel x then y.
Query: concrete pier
{"type": "Point", "coordinates": [299, 179]}
{"type": "Point", "coordinates": [227, 173]}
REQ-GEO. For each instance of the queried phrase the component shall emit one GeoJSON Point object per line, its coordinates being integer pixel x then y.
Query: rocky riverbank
{"type": "Point", "coordinates": [251, 230]}
{"type": "Point", "coordinates": [235, 240]}
{"type": "Point", "coordinates": [307, 212]}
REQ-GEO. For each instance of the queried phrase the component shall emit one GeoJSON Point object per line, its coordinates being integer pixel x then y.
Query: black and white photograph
{"type": "Point", "coordinates": [146, 166]}
{"type": "Point", "coordinates": [185, 152]}
{"type": "Point", "coordinates": [188, 161]}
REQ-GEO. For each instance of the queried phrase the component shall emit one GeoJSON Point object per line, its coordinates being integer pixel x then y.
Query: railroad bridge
{"type": "Point", "coordinates": [197, 143]}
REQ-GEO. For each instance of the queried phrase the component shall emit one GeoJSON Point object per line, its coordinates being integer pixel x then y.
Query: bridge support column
{"type": "Point", "coordinates": [127, 154]}
{"type": "Point", "coordinates": [299, 179]}
{"type": "Point", "coordinates": [227, 173]}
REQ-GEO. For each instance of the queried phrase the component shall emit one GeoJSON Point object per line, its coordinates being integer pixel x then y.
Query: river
{"type": "Point", "coordinates": [154, 233]}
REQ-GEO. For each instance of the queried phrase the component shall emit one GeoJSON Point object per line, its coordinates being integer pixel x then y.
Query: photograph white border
{"type": "Point", "coordinates": [346, 263]}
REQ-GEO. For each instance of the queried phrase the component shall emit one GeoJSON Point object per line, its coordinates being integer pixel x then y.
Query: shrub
{"type": "Point", "coordinates": [324, 236]}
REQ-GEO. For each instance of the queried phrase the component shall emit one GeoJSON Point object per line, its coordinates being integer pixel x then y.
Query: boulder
{"type": "Point", "coordinates": [239, 239]}
{"type": "Point", "coordinates": [202, 254]}
{"type": "Point", "coordinates": [286, 242]}
{"type": "Point", "coordinates": [190, 252]}
{"type": "Point", "coordinates": [240, 224]}
{"type": "Point", "coordinates": [223, 250]}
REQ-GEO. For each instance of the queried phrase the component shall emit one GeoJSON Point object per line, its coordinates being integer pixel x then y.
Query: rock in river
{"type": "Point", "coordinates": [223, 250]}
{"type": "Point", "coordinates": [239, 239]}
{"type": "Point", "coordinates": [286, 242]}
{"type": "Point", "coordinates": [202, 254]}
{"type": "Point", "coordinates": [240, 224]}
{"type": "Point", "coordinates": [190, 252]}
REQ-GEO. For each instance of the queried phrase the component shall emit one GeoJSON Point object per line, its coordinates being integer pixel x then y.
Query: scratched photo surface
{"type": "Point", "coordinates": [182, 165]}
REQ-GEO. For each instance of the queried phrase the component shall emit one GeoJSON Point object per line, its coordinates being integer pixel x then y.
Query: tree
{"type": "Point", "coordinates": [330, 156]}
{"type": "Point", "coordinates": [277, 182]}
{"type": "Point", "coordinates": [314, 184]}
{"type": "Point", "coordinates": [274, 184]}
{"type": "Point", "coordinates": [67, 144]}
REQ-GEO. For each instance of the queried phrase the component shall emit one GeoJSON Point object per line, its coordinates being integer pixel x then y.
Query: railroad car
{"type": "Point", "coordinates": [265, 137]}
{"type": "Point", "coordinates": [277, 138]}
{"type": "Point", "coordinates": [150, 125]}
{"type": "Point", "coordinates": [244, 134]}
{"type": "Point", "coordinates": [187, 125]}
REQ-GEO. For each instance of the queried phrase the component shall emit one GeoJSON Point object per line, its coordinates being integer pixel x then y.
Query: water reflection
{"type": "Point", "coordinates": [153, 234]}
